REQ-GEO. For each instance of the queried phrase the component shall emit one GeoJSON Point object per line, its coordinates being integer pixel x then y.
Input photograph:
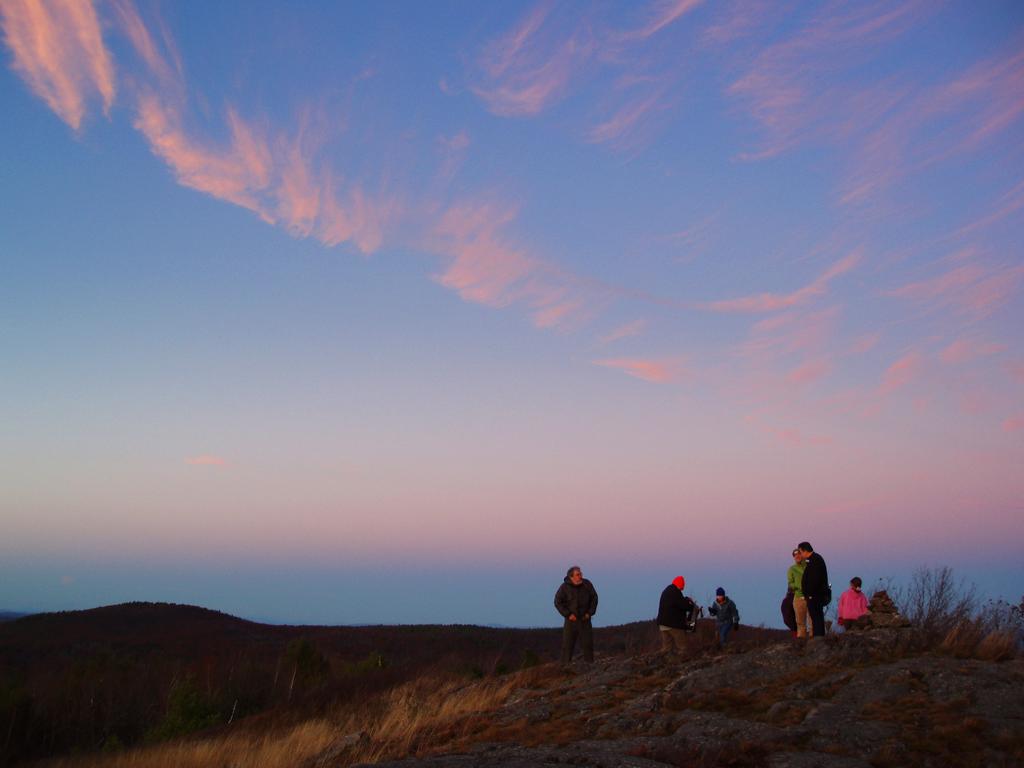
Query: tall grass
{"type": "Point", "coordinates": [407, 720]}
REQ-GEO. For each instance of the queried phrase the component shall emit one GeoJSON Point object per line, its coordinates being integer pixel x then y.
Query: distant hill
{"type": "Point", "coordinates": [11, 615]}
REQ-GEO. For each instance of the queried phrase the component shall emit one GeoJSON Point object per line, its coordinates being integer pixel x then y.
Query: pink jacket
{"type": "Point", "coordinates": [852, 604]}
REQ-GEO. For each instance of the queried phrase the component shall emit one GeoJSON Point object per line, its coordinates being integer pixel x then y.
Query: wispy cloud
{"type": "Point", "coordinates": [237, 173]}
{"type": "Point", "coordinates": [628, 119]}
{"type": "Point", "coordinates": [901, 372]}
{"type": "Point", "coordinates": [972, 288]}
{"type": "Point", "coordinates": [160, 57]}
{"type": "Point", "coordinates": [1016, 370]}
{"type": "Point", "coordinates": [660, 371]}
{"type": "Point", "coordinates": [965, 350]}
{"type": "Point", "coordinates": [58, 49]}
{"type": "Point", "coordinates": [206, 460]}
{"type": "Point", "coordinates": [805, 87]}
{"type": "Point", "coordinates": [660, 14]}
{"type": "Point", "coordinates": [787, 333]}
{"type": "Point", "coordinates": [529, 67]}
{"type": "Point", "coordinates": [790, 87]}
{"type": "Point", "coordinates": [865, 343]}
{"type": "Point", "coordinates": [773, 302]}
{"type": "Point", "coordinates": [485, 266]}
{"type": "Point", "coordinates": [810, 371]}
{"type": "Point", "coordinates": [624, 331]}
{"type": "Point", "coordinates": [1013, 423]}
{"type": "Point", "coordinates": [452, 150]}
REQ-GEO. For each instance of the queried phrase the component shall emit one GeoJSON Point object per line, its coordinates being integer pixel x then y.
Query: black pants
{"type": "Point", "coordinates": [817, 613]}
{"type": "Point", "coordinates": [570, 631]}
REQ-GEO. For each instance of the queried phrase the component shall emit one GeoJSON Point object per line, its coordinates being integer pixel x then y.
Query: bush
{"type": "Point", "coordinates": [188, 710]}
{"type": "Point", "coordinates": [936, 602]}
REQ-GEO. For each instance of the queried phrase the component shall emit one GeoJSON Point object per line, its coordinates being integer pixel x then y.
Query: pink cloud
{"type": "Point", "coordinates": [737, 20]}
{"type": "Point", "coordinates": [453, 151]}
{"type": "Point", "coordinates": [360, 219]}
{"type": "Point", "coordinates": [485, 267]}
{"type": "Point", "coordinates": [166, 67]}
{"type": "Point", "coordinates": [1016, 370]}
{"type": "Point", "coordinates": [529, 68]}
{"type": "Point", "coordinates": [865, 343]}
{"type": "Point", "coordinates": [280, 180]}
{"type": "Point", "coordinates": [661, 14]}
{"type": "Point", "coordinates": [901, 372]}
{"type": "Point", "coordinates": [206, 460]}
{"type": "Point", "coordinates": [790, 332]}
{"type": "Point", "coordinates": [1010, 202]}
{"type": "Point", "coordinates": [236, 174]}
{"type": "Point", "coordinates": [624, 331]}
{"type": "Point", "coordinates": [798, 90]}
{"type": "Point", "coordinates": [1013, 423]}
{"type": "Point", "coordinates": [58, 50]}
{"type": "Point", "coordinates": [627, 119]}
{"type": "Point", "coordinates": [964, 350]}
{"type": "Point", "coordinates": [654, 371]}
{"type": "Point", "coordinates": [790, 87]}
{"type": "Point", "coordinates": [809, 372]}
{"type": "Point", "coordinates": [970, 289]}
{"type": "Point", "coordinates": [786, 435]}
{"type": "Point", "coordinates": [773, 302]}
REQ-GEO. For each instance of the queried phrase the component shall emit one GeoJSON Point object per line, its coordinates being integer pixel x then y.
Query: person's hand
{"type": "Point", "coordinates": [572, 617]}
{"type": "Point", "coordinates": [586, 616]}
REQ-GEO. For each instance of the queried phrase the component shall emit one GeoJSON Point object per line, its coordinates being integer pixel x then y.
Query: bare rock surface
{"type": "Point", "coordinates": [863, 699]}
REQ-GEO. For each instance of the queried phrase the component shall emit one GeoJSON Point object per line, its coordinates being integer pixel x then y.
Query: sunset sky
{"type": "Point", "coordinates": [390, 312]}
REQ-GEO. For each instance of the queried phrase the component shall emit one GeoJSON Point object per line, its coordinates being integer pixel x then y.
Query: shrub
{"type": "Point", "coordinates": [936, 602]}
{"type": "Point", "coordinates": [188, 710]}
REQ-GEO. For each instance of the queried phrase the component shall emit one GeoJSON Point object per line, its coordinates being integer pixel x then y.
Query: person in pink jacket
{"type": "Point", "coordinates": [852, 603]}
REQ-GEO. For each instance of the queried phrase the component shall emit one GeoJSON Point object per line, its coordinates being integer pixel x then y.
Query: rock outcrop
{"type": "Point", "coordinates": [859, 700]}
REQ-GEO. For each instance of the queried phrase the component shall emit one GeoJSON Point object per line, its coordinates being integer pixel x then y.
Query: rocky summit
{"type": "Point", "coordinates": [861, 700]}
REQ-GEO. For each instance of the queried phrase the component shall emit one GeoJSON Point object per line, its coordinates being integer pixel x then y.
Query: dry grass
{"type": "Point", "coordinates": [272, 750]}
{"type": "Point", "coordinates": [970, 640]}
{"type": "Point", "coordinates": [413, 719]}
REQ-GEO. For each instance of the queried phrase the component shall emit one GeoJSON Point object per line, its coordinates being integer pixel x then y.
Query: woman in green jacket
{"type": "Point", "coordinates": [794, 577]}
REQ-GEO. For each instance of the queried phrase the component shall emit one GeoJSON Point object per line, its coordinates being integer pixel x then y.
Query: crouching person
{"type": "Point", "coordinates": [576, 600]}
{"type": "Point", "coordinates": [675, 614]}
{"type": "Point", "coordinates": [725, 612]}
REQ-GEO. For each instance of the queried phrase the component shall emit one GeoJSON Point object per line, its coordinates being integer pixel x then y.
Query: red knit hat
{"type": "Point", "coordinates": [679, 581]}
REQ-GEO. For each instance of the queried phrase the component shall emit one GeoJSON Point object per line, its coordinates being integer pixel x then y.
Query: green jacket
{"type": "Point", "coordinates": [794, 578]}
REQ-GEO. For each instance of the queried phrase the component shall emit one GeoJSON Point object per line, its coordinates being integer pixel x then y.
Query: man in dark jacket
{"type": "Point", "coordinates": [576, 600]}
{"type": "Point", "coordinates": [675, 611]}
{"type": "Point", "coordinates": [815, 587]}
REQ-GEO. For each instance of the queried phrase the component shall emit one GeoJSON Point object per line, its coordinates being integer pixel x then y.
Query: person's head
{"type": "Point", "coordinates": [575, 575]}
{"type": "Point", "coordinates": [806, 550]}
{"type": "Point", "coordinates": [855, 582]}
{"type": "Point", "coordinates": [720, 595]}
{"type": "Point", "coordinates": [679, 582]}
{"type": "Point", "coordinates": [797, 557]}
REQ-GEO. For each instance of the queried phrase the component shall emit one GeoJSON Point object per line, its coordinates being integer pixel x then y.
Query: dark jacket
{"type": "Point", "coordinates": [674, 608]}
{"type": "Point", "coordinates": [581, 600]}
{"type": "Point", "coordinates": [788, 611]}
{"type": "Point", "coordinates": [815, 580]}
{"type": "Point", "coordinates": [725, 612]}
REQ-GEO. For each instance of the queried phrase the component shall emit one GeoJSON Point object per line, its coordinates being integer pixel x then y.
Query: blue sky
{"type": "Point", "coordinates": [330, 291]}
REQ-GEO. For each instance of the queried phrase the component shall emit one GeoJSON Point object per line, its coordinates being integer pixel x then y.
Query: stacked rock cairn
{"type": "Point", "coordinates": [882, 613]}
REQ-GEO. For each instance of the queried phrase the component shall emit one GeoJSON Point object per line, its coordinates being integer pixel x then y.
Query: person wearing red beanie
{"type": "Point", "coordinates": [675, 611]}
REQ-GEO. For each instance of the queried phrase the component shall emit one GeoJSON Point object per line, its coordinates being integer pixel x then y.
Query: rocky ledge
{"type": "Point", "coordinates": [861, 700]}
